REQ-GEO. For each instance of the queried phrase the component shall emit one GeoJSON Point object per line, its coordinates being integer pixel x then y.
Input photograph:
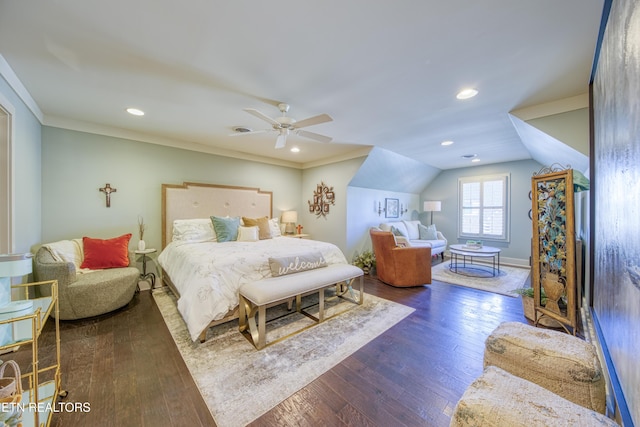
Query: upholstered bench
{"type": "Point", "coordinates": [256, 297]}
{"type": "Point", "coordinates": [561, 363]}
{"type": "Point", "coordinates": [497, 399]}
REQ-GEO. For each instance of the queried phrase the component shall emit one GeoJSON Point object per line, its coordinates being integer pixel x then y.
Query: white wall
{"type": "Point", "coordinates": [26, 172]}
{"type": "Point", "coordinates": [76, 164]}
{"type": "Point", "coordinates": [332, 228]}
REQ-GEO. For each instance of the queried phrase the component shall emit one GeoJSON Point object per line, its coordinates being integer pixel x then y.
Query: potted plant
{"type": "Point", "coordinates": [366, 261]}
{"type": "Point", "coordinates": [141, 228]}
{"type": "Point", "coordinates": [529, 309]}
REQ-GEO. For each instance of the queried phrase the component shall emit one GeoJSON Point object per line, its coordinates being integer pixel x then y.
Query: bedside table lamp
{"type": "Point", "coordinates": [289, 218]}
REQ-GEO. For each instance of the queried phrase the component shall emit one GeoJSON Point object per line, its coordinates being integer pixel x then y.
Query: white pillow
{"type": "Point", "coordinates": [274, 226]}
{"type": "Point", "coordinates": [193, 230]}
{"type": "Point", "coordinates": [412, 229]}
{"type": "Point", "coordinates": [248, 234]}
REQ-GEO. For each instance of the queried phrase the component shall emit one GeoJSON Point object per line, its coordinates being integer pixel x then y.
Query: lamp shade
{"type": "Point", "coordinates": [432, 206]}
{"type": "Point", "coordinates": [13, 265]}
{"type": "Point", "coordinates": [289, 216]}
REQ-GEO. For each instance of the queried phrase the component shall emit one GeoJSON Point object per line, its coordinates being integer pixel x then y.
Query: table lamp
{"type": "Point", "coordinates": [289, 218]}
{"type": "Point", "coordinates": [13, 265]}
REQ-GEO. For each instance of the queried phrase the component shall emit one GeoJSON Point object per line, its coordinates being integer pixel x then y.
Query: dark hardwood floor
{"type": "Point", "coordinates": [127, 367]}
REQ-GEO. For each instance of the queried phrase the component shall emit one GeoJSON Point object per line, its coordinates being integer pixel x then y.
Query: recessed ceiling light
{"type": "Point", "coordinates": [445, 143]}
{"type": "Point", "coordinates": [295, 150]}
{"type": "Point", "coordinates": [475, 160]}
{"type": "Point", "coordinates": [469, 156]}
{"type": "Point", "coordinates": [135, 112]}
{"type": "Point", "coordinates": [467, 93]}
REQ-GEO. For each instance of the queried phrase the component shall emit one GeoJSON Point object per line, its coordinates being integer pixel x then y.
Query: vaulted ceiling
{"type": "Point", "coordinates": [386, 72]}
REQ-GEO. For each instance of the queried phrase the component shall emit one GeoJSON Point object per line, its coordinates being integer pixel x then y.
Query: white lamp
{"type": "Point", "coordinates": [11, 265]}
{"type": "Point", "coordinates": [289, 218]}
{"type": "Point", "coordinates": [432, 206]}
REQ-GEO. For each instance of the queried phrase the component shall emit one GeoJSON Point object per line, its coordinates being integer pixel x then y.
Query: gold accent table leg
{"type": "Point", "coordinates": [262, 330]}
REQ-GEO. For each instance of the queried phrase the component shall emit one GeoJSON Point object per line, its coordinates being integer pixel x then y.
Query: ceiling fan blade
{"type": "Point", "coordinates": [262, 116]}
{"type": "Point", "coordinates": [315, 136]}
{"type": "Point", "coordinates": [281, 141]}
{"type": "Point", "coordinates": [253, 132]}
{"type": "Point", "coordinates": [315, 120]}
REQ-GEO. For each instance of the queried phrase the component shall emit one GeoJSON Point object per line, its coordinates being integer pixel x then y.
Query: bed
{"type": "Point", "coordinates": [204, 274]}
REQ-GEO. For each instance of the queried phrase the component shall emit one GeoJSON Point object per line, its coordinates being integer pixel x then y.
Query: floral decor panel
{"type": "Point", "coordinates": [553, 269]}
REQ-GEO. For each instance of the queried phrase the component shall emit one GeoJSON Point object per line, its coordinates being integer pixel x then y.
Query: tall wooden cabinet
{"type": "Point", "coordinates": [42, 380]}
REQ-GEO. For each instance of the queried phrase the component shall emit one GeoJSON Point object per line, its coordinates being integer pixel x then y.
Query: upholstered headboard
{"type": "Point", "coordinates": [195, 200]}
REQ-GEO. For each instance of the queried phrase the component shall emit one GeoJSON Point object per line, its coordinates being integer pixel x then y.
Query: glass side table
{"type": "Point", "coordinates": [144, 274]}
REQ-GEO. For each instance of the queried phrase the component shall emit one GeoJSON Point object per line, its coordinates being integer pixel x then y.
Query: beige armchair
{"type": "Point", "coordinates": [86, 295]}
{"type": "Point", "coordinates": [400, 266]}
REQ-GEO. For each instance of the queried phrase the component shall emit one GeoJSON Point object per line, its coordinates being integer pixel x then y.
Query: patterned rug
{"type": "Point", "coordinates": [240, 383]}
{"type": "Point", "coordinates": [503, 283]}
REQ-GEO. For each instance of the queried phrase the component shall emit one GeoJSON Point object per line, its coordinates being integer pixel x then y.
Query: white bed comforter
{"type": "Point", "coordinates": [208, 275]}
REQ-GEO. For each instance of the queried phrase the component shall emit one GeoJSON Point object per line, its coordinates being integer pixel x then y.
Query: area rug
{"type": "Point", "coordinates": [503, 283]}
{"type": "Point", "coordinates": [240, 383]}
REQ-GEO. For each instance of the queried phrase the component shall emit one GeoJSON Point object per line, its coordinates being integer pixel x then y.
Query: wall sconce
{"type": "Point", "coordinates": [380, 209]}
{"type": "Point", "coordinates": [289, 218]}
{"type": "Point", "coordinates": [403, 210]}
{"type": "Point", "coordinates": [432, 206]}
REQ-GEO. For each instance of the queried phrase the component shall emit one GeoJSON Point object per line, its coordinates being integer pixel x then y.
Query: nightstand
{"type": "Point", "coordinates": [298, 236]}
{"type": "Point", "coordinates": [144, 274]}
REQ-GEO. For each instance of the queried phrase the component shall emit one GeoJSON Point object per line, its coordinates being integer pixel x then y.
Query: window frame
{"type": "Point", "coordinates": [506, 202]}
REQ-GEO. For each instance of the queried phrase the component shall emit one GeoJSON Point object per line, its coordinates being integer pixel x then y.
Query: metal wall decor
{"type": "Point", "coordinates": [323, 197]}
{"type": "Point", "coordinates": [107, 190]}
{"type": "Point", "coordinates": [553, 266]}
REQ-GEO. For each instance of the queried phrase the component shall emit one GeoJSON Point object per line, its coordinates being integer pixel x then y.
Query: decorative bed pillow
{"type": "Point", "coordinates": [412, 229]}
{"type": "Point", "coordinates": [247, 234]}
{"type": "Point", "coordinates": [428, 233]}
{"type": "Point", "coordinates": [193, 230]}
{"type": "Point", "coordinates": [295, 264]}
{"type": "Point", "coordinates": [262, 223]}
{"type": "Point", "coordinates": [274, 225]}
{"type": "Point", "coordinates": [106, 253]}
{"type": "Point", "coordinates": [397, 232]}
{"type": "Point", "coordinates": [226, 229]}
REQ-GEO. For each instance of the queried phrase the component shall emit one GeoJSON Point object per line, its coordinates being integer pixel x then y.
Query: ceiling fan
{"type": "Point", "coordinates": [285, 125]}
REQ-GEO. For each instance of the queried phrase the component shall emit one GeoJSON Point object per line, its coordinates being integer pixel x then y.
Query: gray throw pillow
{"type": "Point", "coordinates": [397, 232]}
{"type": "Point", "coordinates": [428, 233]}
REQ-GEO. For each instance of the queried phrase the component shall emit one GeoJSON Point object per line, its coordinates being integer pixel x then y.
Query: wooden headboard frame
{"type": "Point", "coordinates": [196, 200]}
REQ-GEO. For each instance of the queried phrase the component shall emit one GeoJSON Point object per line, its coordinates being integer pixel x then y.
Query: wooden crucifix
{"type": "Point", "coordinates": [107, 190]}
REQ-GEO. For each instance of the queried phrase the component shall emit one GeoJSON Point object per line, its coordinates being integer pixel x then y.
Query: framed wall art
{"type": "Point", "coordinates": [391, 208]}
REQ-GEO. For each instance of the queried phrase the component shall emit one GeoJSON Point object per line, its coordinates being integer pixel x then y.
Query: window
{"type": "Point", "coordinates": [483, 205]}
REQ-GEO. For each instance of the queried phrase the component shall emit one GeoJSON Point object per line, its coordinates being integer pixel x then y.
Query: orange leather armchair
{"type": "Point", "coordinates": [400, 266]}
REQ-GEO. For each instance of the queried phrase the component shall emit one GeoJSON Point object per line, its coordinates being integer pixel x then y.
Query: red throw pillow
{"type": "Point", "coordinates": [107, 253]}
